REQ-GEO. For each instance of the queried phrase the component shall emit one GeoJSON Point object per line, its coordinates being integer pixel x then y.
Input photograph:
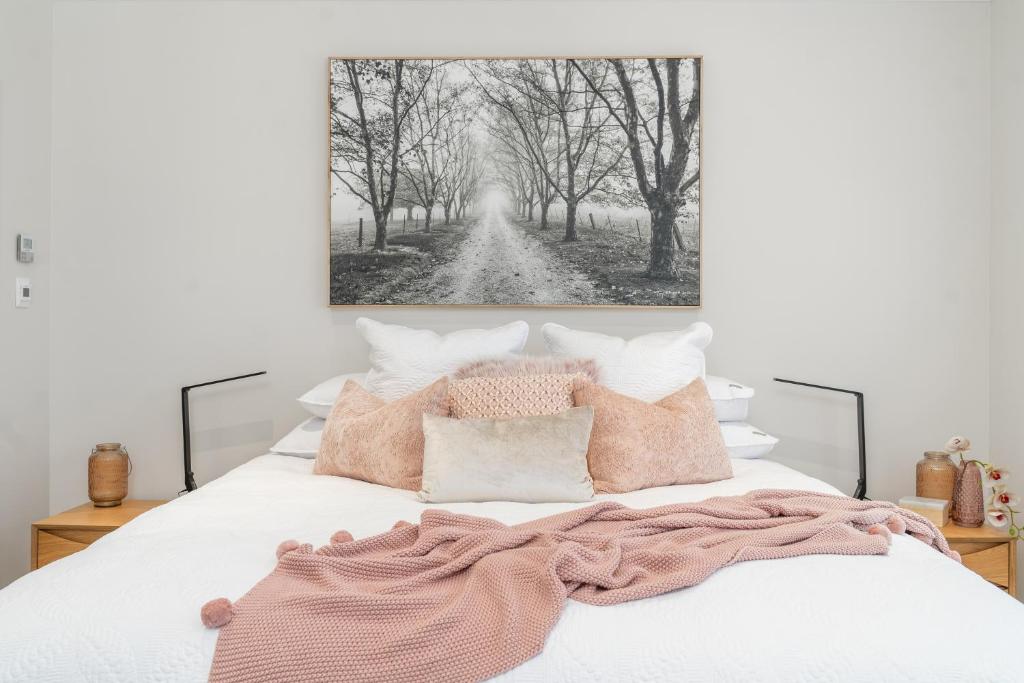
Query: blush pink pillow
{"type": "Point", "coordinates": [382, 443]}
{"type": "Point", "coordinates": [512, 396]}
{"type": "Point", "coordinates": [636, 445]}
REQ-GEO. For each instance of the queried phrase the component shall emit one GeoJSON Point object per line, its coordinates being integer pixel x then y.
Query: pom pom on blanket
{"type": "Point", "coordinates": [896, 524]}
{"type": "Point", "coordinates": [217, 612]}
{"type": "Point", "coordinates": [880, 530]}
{"type": "Point", "coordinates": [341, 537]}
{"type": "Point", "coordinates": [286, 547]}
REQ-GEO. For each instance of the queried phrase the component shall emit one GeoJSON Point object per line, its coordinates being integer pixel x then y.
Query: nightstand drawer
{"type": "Point", "coordinates": [68, 532]}
{"type": "Point", "coordinates": [53, 544]}
{"type": "Point", "coordinates": [990, 560]}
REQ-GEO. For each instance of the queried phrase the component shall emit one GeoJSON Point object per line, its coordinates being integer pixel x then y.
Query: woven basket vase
{"type": "Point", "coordinates": [109, 467]}
{"type": "Point", "coordinates": [968, 497]}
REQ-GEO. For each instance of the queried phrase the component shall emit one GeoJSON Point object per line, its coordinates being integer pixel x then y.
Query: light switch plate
{"type": "Point", "coordinates": [22, 292]}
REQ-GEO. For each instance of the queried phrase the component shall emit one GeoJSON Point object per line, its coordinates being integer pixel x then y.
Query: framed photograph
{"type": "Point", "coordinates": [516, 182]}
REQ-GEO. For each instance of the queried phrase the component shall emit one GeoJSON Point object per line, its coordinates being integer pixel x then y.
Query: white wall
{"type": "Point", "coordinates": [846, 213]}
{"type": "Point", "coordinates": [24, 333]}
{"type": "Point", "coordinates": [1007, 277]}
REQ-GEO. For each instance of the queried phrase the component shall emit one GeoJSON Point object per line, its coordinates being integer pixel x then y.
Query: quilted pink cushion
{"type": "Point", "coordinates": [512, 396]}
{"type": "Point", "coordinates": [367, 438]}
{"type": "Point", "coordinates": [637, 445]}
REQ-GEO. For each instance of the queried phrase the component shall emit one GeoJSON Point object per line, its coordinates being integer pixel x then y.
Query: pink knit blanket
{"type": "Point", "coordinates": [463, 598]}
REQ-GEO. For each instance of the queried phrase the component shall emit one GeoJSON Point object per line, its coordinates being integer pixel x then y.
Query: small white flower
{"type": "Point", "coordinates": [1003, 499]}
{"type": "Point", "coordinates": [998, 474]}
{"type": "Point", "coordinates": [998, 518]}
{"type": "Point", "coordinates": [958, 444]}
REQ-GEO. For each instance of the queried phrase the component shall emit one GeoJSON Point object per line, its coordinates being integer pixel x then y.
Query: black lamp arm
{"type": "Point", "coordinates": [862, 461]}
{"type": "Point", "coordinates": [186, 432]}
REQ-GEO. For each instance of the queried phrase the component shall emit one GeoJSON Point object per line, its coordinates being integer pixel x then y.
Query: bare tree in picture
{"type": "Point", "coordinates": [663, 181]}
{"type": "Point", "coordinates": [590, 150]}
{"type": "Point", "coordinates": [543, 139]}
{"type": "Point", "coordinates": [474, 168]}
{"type": "Point", "coordinates": [511, 170]}
{"type": "Point", "coordinates": [435, 120]}
{"type": "Point", "coordinates": [537, 143]}
{"type": "Point", "coordinates": [405, 197]}
{"type": "Point", "coordinates": [459, 151]}
{"type": "Point", "coordinates": [370, 101]}
{"type": "Point", "coordinates": [515, 163]}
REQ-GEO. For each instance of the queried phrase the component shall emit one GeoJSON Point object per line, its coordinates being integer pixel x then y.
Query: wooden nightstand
{"type": "Point", "coordinates": [986, 551]}
{"type": "Point", "coordinates": [70, 531]}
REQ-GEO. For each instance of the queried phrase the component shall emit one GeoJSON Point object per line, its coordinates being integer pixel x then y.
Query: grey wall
{"type": "Point", "coordinates": [24, 333]}
{"type": "Point", "coordinates": [846, 214]}
{"type": "Point", "coordinates": [1007, 276]}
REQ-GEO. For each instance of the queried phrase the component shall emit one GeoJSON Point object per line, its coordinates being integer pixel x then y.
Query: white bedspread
{"type": "Point", "coordinates": [127, 608]}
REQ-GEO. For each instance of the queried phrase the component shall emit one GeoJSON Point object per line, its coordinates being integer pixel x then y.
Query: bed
{"type": "Point", "coordinates": [127, 607]}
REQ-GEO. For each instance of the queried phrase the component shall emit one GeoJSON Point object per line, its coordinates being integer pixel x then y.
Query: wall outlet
{"type": "Point", "coordinates": [22, 292]}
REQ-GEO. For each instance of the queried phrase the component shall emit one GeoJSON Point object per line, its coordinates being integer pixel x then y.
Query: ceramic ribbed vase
{"type": "Point", "coordinates": [968, 497]}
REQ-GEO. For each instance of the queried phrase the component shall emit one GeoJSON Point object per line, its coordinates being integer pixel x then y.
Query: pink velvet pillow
{"type": "Point", "coordinates": [512, 396]}
{"type": "Point", "coordinates": [382, 443]}
{"type": "Point", "coordinates": [636, 445]}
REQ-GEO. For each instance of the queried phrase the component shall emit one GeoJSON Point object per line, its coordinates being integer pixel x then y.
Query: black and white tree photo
{"type": "Point", "coordinates": [515, 181]}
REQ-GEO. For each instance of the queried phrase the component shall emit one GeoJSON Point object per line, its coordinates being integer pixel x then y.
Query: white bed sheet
{"type": "Point", "coordinates": [127, 608]}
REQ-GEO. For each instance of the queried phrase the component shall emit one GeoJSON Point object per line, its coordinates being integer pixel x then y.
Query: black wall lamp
{"type": "Point", "coordinates": [186, 432]}
{"type": "Point", "coordinates": [862, 480]}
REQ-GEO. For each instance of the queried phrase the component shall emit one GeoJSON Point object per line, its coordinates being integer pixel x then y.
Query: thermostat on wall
{"type": "Point", "coordinates": [26, 253]}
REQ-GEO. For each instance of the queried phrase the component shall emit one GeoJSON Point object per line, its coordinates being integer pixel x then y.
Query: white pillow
{"type": "Point", "coordinates": [648, 367]}
{"type": "Point", "coordinates": [731, 399]}
{"type": "Point", "coordinates": [404, 360]}
{"type": "Point", "coordinates": [746, 441]}
{"type": "Point", "coordinates": [320, 399]}
{"type": "Point", "coordinates": [303, 441]}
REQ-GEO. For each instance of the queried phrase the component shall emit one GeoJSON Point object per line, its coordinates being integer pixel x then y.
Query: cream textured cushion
{"type": "Point", "coordinates": [515, 396]}
{"type": "Point", "coordinates": [404, 360]}
{"type": "Point", "coordinates": [539, 459]}
{"type": "Point", "coordinates": [382, 443]}
{"type": "Point", "coordinates": [648, 367]}
{"type": "Point", "coordinates": [638, 445]}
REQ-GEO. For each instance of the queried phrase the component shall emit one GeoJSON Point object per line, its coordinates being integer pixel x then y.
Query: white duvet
{"type": "Point", "coordinates": [127, 608]}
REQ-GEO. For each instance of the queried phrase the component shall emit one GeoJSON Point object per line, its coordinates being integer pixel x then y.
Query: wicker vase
{"type": "Point", "coordinates": [109, 467]}
{"type": "Point", "coordinates": [968, 497]}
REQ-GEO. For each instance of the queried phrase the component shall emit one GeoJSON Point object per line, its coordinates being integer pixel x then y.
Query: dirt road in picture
{"type": "Point", "coordinates": [499, 263]}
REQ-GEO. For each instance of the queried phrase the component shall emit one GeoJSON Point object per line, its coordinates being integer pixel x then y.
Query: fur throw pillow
{"type": "Point", "coordinates": [515, 366]}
